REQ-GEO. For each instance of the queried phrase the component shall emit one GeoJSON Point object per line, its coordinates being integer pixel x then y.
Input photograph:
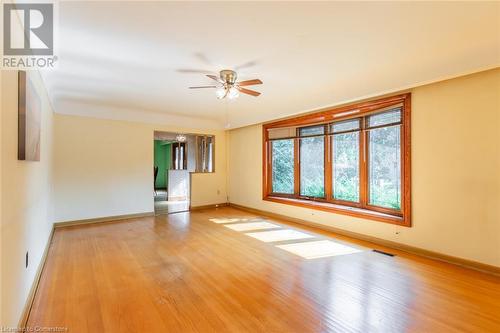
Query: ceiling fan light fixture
{"type": "Point", "coordinates": [220, 92]}
{"type": "Point", "coordinates": [233, 93]}
{"type": "Point", "coordinates": [180, 138]}
{"type": "Point", "coordinates": [227, 86]}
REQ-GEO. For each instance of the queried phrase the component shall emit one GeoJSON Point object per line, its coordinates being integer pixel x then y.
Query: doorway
{"type": "Point", "coordinates": [171, 173]}
{"type": "Point", "coordinates": [176, 157]}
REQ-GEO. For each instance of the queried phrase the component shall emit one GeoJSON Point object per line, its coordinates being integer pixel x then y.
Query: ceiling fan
{"type": "Point", "coordinates": [228, 87]}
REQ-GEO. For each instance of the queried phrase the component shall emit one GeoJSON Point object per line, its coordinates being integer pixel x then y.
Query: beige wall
{"type": "Point", "coordinates": [105, 168]}
{"type": "Point", "coordinates": [1, 203]}
{"type": "Point", "coordinates": [26, 187]}
{"type": "Point", "coordinates": [455, 172]}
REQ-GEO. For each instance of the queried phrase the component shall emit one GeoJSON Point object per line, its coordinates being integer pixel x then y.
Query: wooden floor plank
{"type": "Point", "coordinates": [184, 273]}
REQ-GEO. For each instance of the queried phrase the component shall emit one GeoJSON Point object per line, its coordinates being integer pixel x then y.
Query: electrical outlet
{"type": "Point", "coordinates": [27, 259]}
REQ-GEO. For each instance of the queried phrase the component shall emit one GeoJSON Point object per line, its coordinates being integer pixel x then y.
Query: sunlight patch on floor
{"type": "Point", "coordinates": [257, 219]}
{"type": "Point", "coordinates": [223, 220]}
{"type": "Point", "coordinates": [318, 249]}
{"type": "Point", "coordinates": [310, 249]}
{"type": "Point", "coordinates": [251, 226]}
{"type": "Point", "coordinates": [279, 235]}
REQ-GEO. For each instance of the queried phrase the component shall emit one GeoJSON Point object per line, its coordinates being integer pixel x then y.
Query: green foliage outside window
{"type": "Point", "coordinates": [383, 159]}
{"type": "Point", "coordinates": [282, 151]}
{"type": "Point", "coordinates": [346, 166]}
{"type": "Point", "coordinates": [385, 167]}
{"type": "Point", "coordinates": [312, 166]}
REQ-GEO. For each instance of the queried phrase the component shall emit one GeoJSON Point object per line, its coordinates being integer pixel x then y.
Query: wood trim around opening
{"type": "Point", "coordinates": [402, 217]}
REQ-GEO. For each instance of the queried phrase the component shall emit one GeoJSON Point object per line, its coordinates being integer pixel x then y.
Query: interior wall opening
{"type": "Point", "coordinates": [176, 157]}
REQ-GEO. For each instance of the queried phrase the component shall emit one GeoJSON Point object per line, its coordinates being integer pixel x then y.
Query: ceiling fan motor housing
{"type": "Point", "coordinates": [228, 76]}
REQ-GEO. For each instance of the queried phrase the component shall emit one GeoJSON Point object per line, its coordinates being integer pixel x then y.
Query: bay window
{"type": "Point", "coordinates": [353, 160]}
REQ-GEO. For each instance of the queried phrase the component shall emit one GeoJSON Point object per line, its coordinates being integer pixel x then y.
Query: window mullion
{"type": "Point", "coordinates": [269, 171]}
{"type": "Point", "coordinates": [363, 161]}
{"type": "Point", "coordinates": [296, 169]}
{"type": "Point", "coordinates": [403, 164]}
{"type": "Point", "coordinates": [328, 168]}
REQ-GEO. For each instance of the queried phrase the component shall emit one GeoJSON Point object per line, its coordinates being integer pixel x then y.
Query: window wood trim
{"type": "Point", "coordinates": [358, 110]}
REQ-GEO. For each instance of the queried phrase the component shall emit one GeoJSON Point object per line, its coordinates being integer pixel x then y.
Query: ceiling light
{"type": "Point", "coordinates": [233, 93]}
{"type": "Point", "coordinates": [180, 137]}
{"type": "Point", "coordinates": [220, 92]}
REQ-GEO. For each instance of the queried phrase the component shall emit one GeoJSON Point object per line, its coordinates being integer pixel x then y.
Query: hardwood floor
{"type": "Point", "coordinates": [163, 206]}
{"type": "Point", "coordinates": [187, 272]}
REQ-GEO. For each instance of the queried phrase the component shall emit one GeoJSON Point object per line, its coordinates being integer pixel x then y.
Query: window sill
{"type": "Point", "coordinates": [344, 210]}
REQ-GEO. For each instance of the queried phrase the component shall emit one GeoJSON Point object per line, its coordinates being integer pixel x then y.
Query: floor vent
{"type": "Point", "coordinates": [384, 253]}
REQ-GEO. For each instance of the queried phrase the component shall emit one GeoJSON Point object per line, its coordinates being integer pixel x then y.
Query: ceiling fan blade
{"type": "Point", "coordinates": [246, 65]}
{"type": "Point", "coordinates": [203, 58]}
{"type": "Point", "coordinates": [249, 82]}
{"type": "Point", "coordinates": [216, 78]}
{"type": "Point", "coordinates": [248, 91]}
{"type": "Point", "coordinates": [200, 87]}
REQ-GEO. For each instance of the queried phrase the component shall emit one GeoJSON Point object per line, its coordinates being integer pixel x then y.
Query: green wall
{"type": "Point", "coordinates": [162, 161]}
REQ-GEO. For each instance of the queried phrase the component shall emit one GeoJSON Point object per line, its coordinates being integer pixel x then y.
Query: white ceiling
{"type": "Point", "coordinates": [135, 60]}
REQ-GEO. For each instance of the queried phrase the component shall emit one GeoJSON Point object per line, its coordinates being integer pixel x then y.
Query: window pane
{"type": "Point", "coordinates": [312, 167]}
{"type": "Point", "coordinates": [385, 167]}
{"type": "Point", "coordinates": [210, 158]}
{"type": "Point", "coordinates": [282, 151]}
{"type": "Point", "coordinates": [176, 158]}
{"type": "Point", "coordinates": [181, 158]}
{"type": "Point", "coordinates": [315, 130]}
{"type": "Point", "coordinates": [389, 117]}
{"type": "Point", "coordinates": [346, 166]}
{"type": "Point", "coordinates": [343, 126]}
